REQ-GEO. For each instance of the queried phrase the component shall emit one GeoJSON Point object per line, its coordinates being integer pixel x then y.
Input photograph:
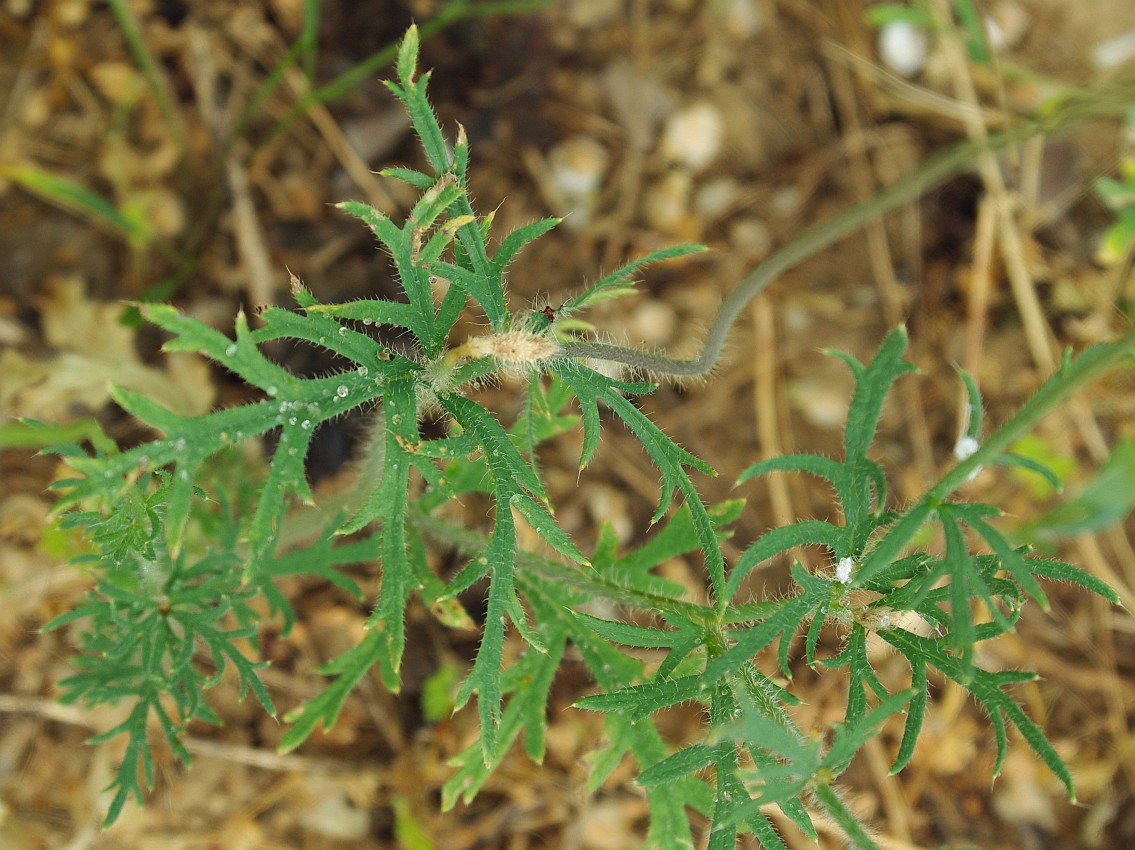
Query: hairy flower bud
{"type": "Point", "coordinates": [514, 349]}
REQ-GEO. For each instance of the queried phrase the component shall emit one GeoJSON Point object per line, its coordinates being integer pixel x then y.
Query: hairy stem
{"type": "Point", "coordinates": [1078, 108]}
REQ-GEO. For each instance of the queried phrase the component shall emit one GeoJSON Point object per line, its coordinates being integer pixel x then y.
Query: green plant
{"type": "Point", "coordinates": [181, 552]}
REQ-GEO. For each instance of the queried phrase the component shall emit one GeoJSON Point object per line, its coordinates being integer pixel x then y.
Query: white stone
{"type": "Point", "coordinates": [1114, 51]}
{"type": "Point", "coordinates": [666, 203]}
{"type": "Point", "coordinates": [693, 136]}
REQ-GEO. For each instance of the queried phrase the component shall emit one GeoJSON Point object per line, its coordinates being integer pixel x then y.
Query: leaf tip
{"type": "Point", "coordinates": [408, 54]}
{"type": "Point", "coordinates": [286, 746]}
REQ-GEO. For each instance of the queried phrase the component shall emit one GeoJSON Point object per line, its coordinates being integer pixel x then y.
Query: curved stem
{"type": "Point", "coordinates": [1080, 107]}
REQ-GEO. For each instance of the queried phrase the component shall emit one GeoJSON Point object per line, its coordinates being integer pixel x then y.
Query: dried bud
{"type": "Point", "coordinates": [511, 348]}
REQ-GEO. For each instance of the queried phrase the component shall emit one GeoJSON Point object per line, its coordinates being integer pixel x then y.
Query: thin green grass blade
{"type": "Point", "coordinates": [70, 195]}
{"type": "Point", "coordinates": [155, 78]}
{"type": "Point", "coordinates": [309, 38]}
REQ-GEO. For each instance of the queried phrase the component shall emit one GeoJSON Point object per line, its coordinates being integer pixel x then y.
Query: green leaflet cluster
{"type": "Point", "coordinates": [756, 752]}
{"type": "Point", "coordinates": [152, 612]}
{"type": "Point", "coordinates": [443, 262]}
{"type": "Point", "coordinates": [181, 548]}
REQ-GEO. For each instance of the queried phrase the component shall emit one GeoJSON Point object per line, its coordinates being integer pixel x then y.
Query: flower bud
{"type": "Point", "coordinates": [512, 348]}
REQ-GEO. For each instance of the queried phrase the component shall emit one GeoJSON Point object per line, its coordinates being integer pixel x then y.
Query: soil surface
{"type": "Point", "coordinates": [734, 123]}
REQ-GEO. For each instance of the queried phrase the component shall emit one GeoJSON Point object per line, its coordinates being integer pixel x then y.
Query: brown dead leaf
{"type": "Point", "coordinates": [92, 352]}
{"type": "Point", "coordinates": [330, 808]}
{"type": "Point", "coordinates": [118, 82]}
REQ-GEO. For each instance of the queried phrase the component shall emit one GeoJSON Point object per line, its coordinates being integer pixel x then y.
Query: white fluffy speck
{"type": "Point", "coordinates": [965, 447]}
{"type": "Point", "coordinates": [843, 570]}
{"type": "Point", "coordinates": [903, 47]}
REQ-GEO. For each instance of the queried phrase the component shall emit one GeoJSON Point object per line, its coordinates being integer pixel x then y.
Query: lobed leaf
{"type": "Point", "coordinates": [1027, 463]}
{"type": "Point", "coordinates": [528, 681]}
{"type": "Point", "coordinates": [804, 533]}
{"type": "Point", "coordinates": [543, 524]}
{"type": "Point", "coordinates": [871, 389]}
{"type": "Point", "coordinates": [986, 688]}
{"type": "Point", "coordinates": [619, 278]}
{"type": "Point", "coordinates": [640, 700]}
{"type": "Point", "coordinates": [1060, 571]}
{"type": "Point", "coordinates": [324, 708]}
{"type": "Point", "coordinates": [517, 239]}
{"type": "Point", "coordinates": [629, 634]}
{"type": "Point", "coordinates": [671, 460]}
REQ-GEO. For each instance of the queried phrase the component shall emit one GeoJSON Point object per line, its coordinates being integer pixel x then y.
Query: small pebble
{"type": "Point", "coordinates": [606, 504]}
{"type": "Point", "coordinates": [1011, 21]}
{"type": "Point", "coordinates": [118, 82]}
{"type": "Point", "coordinates": [71, 13]}
{"type": "Point", "coordinates": [742, 19]}
{"type": "Point", "coordinates": [666, 203]}
{"type": "Point", "coordinates": [653, 323]}
{"type": "Point", "coordinates": [18, 9]}
{"type": "Point", "coordinates": [693, 136]}
{"type": "Point", "coordinates": [716, 197]}
{"type": "Point", "coordinates": [751, 237]}
{"type": "Point", "coordinates": [577, 167]}
{"type": "Point", "coordinates": [822, 403]}
{"type": "Point", "coordinates": [1114, 51]}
